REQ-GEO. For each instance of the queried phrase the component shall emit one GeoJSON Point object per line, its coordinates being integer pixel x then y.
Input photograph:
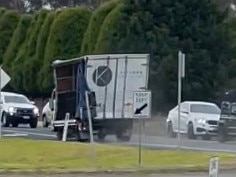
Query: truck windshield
{"type": "Point", "coordinates": [206, 109]}
{"type": "Point", "coordinates": [15, 99]}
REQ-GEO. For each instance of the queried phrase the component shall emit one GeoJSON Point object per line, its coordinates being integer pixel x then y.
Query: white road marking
{"type": "Point", "coordinates": [15, 135]}
{"type": "Point", "coordinates": [182, 147]}
{"type": "Point", "coordinates": [29, 133]}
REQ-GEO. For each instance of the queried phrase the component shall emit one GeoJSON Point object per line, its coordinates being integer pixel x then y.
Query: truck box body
{"type": "Point", "coordinates": [113, 78]}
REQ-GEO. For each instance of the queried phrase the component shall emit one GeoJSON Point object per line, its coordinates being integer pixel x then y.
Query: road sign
{"type": "Point", "coordinates": [4, 78]}
{"type": "Point", "coordinates": [142, 104]}
{"type": "Point", "coordinates": [213, 167]}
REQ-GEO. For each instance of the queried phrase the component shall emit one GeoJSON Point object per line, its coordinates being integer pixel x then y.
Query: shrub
{"type": "Point", "coordinates": [96, 21]}
{"type": "Point", "coordinates": [64, 41]}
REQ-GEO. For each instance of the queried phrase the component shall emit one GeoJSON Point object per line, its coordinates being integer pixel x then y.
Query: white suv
{"type": "Point", "coordinates": [197, 118]}
{"type": "Point", "coordinates": [47, 115]}
{"type": "Point", "coordinates": [17, 109]}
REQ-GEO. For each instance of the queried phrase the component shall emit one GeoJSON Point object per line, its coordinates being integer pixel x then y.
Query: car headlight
{"type": "Point", "coordinates": [201, 121]}
{"type": "Point", "coordinates": [12, 110]}
{"type": "Point", "coordinates": [36, 111]}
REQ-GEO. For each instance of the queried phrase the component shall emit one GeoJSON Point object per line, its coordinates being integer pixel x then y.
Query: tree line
{"type": "Point", "coordinates": [30, 42]}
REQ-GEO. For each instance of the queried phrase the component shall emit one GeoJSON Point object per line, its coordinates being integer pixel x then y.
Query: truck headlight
{"type": "Point", "coordinates": [12, 110]}
{"type": "Point", "coordinates": [36, 111]}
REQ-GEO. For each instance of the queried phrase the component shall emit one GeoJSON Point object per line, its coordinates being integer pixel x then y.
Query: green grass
{"type": "Point", "coordinates": [25, 154]}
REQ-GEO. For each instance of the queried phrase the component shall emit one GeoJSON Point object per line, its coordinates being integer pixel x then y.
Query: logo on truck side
{"type": "Point", "coordinates": [102, 76]}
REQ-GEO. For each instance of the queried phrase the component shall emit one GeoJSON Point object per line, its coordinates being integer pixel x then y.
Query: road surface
{"type": "Point", "coordinates": [231, 174]}
{"type": "Point", "coordinates": [147, 141]}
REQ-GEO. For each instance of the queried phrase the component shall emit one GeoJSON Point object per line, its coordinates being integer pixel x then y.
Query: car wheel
{"type": "Point", "coordinates": [33, 123]}
{"type": "Point", "coordinates": [45, 121]}
{"type": "Point", "coordinates": [222, 137]}
{"type": "Point", "coordinates": [170, 131]}
{"type": "Point", "coordinates": [5, 120]}
{"type": "Point", "coordinates": [191, 131]}
{"type": "Point", "coordinates": [206, 137]}
{"type": "Point", "coordinates": [14, 124]}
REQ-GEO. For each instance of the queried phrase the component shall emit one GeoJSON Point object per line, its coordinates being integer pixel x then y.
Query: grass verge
{"type": "Point", "coordinates": [28, 155]}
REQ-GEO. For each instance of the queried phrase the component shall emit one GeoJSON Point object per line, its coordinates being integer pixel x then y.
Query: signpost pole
{"type": "Point", "coordinates": [142, 109]}
{"type": "Point", "coordinates": [92, 149]}
{"type": "Point", "coordinates": [181, 74]}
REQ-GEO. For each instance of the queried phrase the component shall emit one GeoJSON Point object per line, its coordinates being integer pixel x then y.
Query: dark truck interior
{"type": "Point", "coordinates": [68, 89]}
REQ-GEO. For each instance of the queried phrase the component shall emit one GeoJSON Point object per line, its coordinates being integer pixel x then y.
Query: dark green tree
{"type": "Point", "coordinates": [29, 74]}
{"type": "Point", "coordinates": [64, 41]}
{"type": "Point", "coordinates": [8, 23]}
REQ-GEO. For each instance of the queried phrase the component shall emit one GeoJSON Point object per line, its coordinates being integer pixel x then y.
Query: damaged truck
{"type": "Point", "coordinates": [110, 80]}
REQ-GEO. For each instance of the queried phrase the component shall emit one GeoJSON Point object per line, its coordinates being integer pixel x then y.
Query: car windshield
{"type": "Point", "coordinates": [207, 109]}
{"type": "Point", "coordinates": [16, 99]}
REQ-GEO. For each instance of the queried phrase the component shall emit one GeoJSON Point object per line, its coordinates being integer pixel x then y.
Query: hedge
{"type": "Point", "coordinates": [98, 16]}
{"type": "Point", "coordinates": [18, 64]}
{"type": "Point", "coordinates": [2, 10]}
{"type": "Point", "coordinates": [29, 74]}
{"type": "Point", "coordinates": [64, 41]}
{"type": "Point", "coordinates": [16, 41]}
{"type": "Point", "coordinates": [41, 47]}
{"type": "Point", "coordinates": [8, 23]}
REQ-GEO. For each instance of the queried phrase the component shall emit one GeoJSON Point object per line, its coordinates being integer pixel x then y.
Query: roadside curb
{"type": "Point", "coordinates": [135, 170]}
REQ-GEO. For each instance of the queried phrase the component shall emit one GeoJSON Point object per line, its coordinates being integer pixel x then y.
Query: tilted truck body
{"type": "Point", "coordinates": [111, 80]}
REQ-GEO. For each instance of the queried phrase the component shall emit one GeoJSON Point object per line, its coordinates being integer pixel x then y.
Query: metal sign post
{"type": "Point", "coordinates": [141, 109]}
{"type": "Point", "coordinates": [181, 74]}
{"type": "Point", "coordinates": [4, 79]}
{"type": "Point", "coordinates": [214, 167]}
{"type": "Point", "coordinates": [92, 149]}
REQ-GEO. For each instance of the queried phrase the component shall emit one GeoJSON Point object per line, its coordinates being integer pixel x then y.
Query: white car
{"type": "Point", "coordinates": [197, 118]}
{"type": "Point", "coordinates": [47, 115]}
{"type": "Point", "coordinates": [18, 109]}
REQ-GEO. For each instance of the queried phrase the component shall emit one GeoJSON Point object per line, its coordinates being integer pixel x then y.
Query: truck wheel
{"type": "Point", "coordinates": [5, 120]}
{"type": "Point", "coordinates": [170, 132]}
{"type": "Point", "coordinates": [101, 135]}
{"type": "Point", "coordinates": [45, 121]}
{"type": "Point", "coordinates": [222, 137]}
{"type": "Point", "coordinates": [191, 131]}
{"type": "Point", "coordinates": [33, 123]}
{"type": "Point", "coordinates": [59, 135]}
{"type": "Point", "coordinates": [120, 135]}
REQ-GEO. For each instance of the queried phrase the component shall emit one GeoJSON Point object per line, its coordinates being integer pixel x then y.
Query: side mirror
{"type": "Point", "coordinates": [32, 102]}
{"type": "Point", "coordinates": [51, 104]}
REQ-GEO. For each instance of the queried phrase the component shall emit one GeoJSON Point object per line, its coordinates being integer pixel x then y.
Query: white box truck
{"type": "Point", "coordinates": [110, 80]}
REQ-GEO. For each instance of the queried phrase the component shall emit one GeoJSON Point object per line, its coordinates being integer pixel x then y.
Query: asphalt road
{"type": "Point", "coordinates": [147, 141]}
{"type": "Point", "coordinates": [231, 174]}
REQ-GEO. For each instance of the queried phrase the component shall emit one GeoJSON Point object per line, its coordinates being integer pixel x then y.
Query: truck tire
{"type": "Point", "coordinates": [59, 135]}
{"type": "Point", "coordinates": [5, 120]}
{"type": "Point", "coordinates": [191, 131]}
{"type": "Point", "coordinates": [121, 137]}
{"type": "Point", "coordinates": [170, 132]}
{"type": "Point", "coordinates": [222, 136]}
{"type": "Point", "coordinates": [101, 135]}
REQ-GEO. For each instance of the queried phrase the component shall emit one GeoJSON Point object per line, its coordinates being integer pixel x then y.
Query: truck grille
{"type": "Point", "coordinates": [212, 122]}
{"type": "Point", "coordinates": [24, 111]}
